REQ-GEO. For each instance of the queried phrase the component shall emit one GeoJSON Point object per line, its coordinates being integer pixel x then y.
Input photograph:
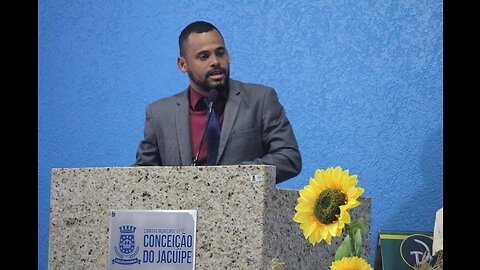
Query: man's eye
{"type": "Point", "coordinates": [203, 56]}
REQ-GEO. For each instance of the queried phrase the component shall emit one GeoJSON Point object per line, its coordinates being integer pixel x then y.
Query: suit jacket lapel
{"type": "Point", "coordinates": [182, 124]}
{"type": "Point", "coordinates": [229, 116]}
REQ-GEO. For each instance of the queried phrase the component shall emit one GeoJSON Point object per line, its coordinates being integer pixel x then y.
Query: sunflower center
{"type": "Point", "coordinates": [327, 205]}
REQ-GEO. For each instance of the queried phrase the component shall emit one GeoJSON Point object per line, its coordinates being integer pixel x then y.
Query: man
{"type": "Point", "coordinates": [253, 127]}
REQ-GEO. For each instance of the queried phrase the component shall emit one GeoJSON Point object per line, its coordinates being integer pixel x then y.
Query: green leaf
{"type": "Point", "coordinates": [357, 240]}
{"type": "Point", "coordinates": [359, 225]}
{"type": "Point", "coordinates": [345, 249]}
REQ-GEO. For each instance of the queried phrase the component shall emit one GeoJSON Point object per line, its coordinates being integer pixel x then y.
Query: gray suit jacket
{"type": "Point", "coordinates": [255, 130]}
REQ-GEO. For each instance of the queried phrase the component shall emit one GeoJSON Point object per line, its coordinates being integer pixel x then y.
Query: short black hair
{"type": "Point", "coordinates": [195, 27]}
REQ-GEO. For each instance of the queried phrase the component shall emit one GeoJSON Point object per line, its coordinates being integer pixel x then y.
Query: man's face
{"type": "Point", "coordinates": [206, 61]}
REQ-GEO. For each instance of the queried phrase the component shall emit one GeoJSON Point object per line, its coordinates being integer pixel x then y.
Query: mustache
{"type": "Point", "coordinates": [217, 70]}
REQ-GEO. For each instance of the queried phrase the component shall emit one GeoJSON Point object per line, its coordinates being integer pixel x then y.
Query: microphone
{"type": "Point", "coordinates": [212, 97]}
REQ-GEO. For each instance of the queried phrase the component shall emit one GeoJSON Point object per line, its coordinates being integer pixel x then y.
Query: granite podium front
{"type": "Point", "coordinates": [243, 220]}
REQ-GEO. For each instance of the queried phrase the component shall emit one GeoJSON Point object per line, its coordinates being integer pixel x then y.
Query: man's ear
{"type": "Point", "coordinates": [182, 64]}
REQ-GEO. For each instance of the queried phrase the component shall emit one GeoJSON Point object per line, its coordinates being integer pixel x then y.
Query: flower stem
{"type": "Point", "coordinates": [350, 233]}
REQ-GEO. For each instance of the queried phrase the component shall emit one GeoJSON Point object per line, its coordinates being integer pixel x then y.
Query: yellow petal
{"type": "Point", "coordinates": [350, 263]}
{"type": "Point", "coordinates": [308, 194]}
{"type": "Point", "coordinates": [328, 239]}
{"type": "Point", "coordinates": [304, 208]}
{"type": "Point", "coordinates": [315, 185]}
{"type": "Point", "coordinates": [345, 217]}
{"type": "Point", "coordinates": [317, 234]}
{"type": "Point", "coordinates": [323, 232]}
{"type": "Point", "coordinates": [311, 228]}
{"type": "Point", "coordinates": [302, 217]}
{"type": "Point", "coordinates": [358, 192]}
{"type": "Point", "coordinates": [333, 228]}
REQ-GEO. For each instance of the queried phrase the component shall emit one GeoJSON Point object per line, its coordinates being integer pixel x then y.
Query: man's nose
{"type": "Point", "coordinates": [215, 61]}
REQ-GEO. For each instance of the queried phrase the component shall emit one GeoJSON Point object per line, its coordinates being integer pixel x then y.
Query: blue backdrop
{"type": "Point", "coordinates": [361, 82]}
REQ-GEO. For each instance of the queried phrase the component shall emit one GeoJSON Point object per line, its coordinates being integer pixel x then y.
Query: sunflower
{"type": "Point", "coordinates": [350, 263]}
{"type": "Point", "coordinates": [323, 205]}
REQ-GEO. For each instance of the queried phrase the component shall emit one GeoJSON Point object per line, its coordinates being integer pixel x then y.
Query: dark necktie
{"type": "Point", "coordinates": [213, 138]}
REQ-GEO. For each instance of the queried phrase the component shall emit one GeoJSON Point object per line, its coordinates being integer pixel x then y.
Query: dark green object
{"type": "Point", "coordinates": [401, 250]}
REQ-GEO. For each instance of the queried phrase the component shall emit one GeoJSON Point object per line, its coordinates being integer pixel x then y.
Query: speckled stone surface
{"type": "Point", "coordinates": [241, 223]}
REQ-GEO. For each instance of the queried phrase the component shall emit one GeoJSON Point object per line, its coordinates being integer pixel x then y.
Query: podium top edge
{"type": "Point", "coordinates": [161, 167]}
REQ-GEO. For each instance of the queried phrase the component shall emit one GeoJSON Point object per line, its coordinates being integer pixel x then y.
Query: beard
{"type": "Point", "coordinates": [206, 85]}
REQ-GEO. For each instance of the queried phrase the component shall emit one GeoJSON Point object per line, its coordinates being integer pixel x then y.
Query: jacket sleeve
{"type": "Point", "coordinates": [147, 152]}
{"type": "Point", "coordinates": [278, 139]}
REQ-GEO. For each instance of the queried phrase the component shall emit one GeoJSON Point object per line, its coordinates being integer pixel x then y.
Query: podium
{"type": "Point", "coordinates": [243, 220]}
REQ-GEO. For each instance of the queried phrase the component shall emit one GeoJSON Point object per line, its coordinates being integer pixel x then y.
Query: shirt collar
{"type": "Point", "coordinates": [196, 102]}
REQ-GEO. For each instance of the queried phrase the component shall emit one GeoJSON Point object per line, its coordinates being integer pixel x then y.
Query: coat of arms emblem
{"type": "Point", "coordinates": [126, 252]}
